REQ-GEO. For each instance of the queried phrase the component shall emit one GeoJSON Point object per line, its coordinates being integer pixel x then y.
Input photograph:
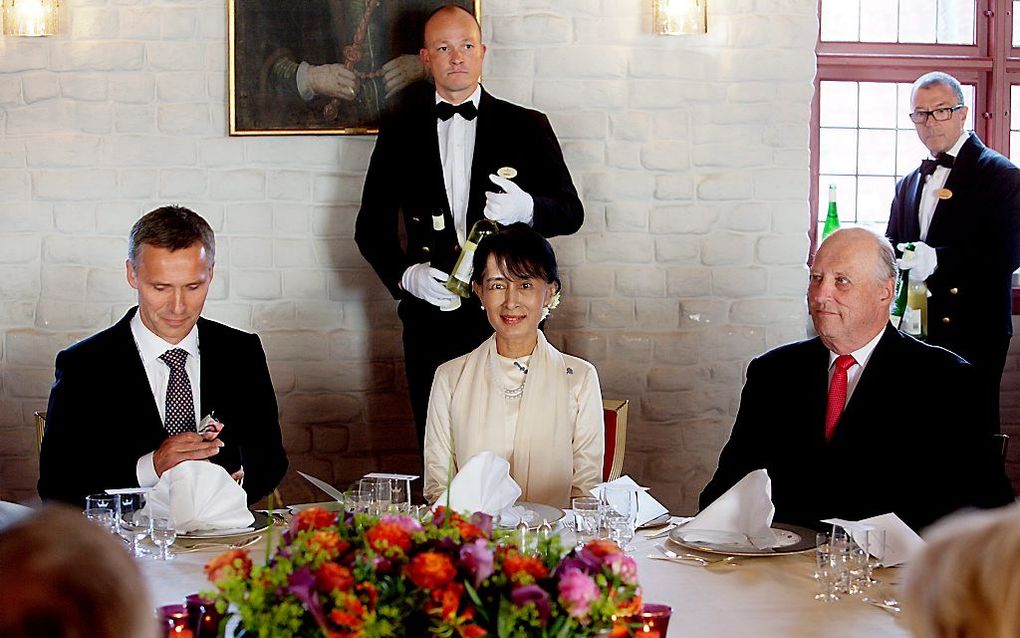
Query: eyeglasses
{"type": "Point", "coordinates": [940, 115]}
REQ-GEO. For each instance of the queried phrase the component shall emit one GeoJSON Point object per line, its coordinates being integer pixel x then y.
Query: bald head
{"type": "Point", "coordinates": [453, 52]}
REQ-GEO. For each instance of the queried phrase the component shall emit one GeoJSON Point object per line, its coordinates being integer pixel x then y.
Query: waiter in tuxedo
{"type": "Point", "coordinates": [862, 419]}
{"type": "Point", "coordinates": [127, 401]}
{"type": "Point", "coordinates": [434, 171]}
{"type": "Point", "coordinates": [962, 212]}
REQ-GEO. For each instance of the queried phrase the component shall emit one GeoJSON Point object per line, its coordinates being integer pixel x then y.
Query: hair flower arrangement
{"type": "Point", "coordinates": [553, 302]}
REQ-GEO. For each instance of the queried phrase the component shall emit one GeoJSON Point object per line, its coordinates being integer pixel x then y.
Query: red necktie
{"type": "Point", "coordinates": [837, 394]}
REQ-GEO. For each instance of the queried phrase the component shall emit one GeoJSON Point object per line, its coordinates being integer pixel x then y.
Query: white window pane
{"type": "Point", "coordinates": [837, 151]}
{"type": "Point", "coordinates": [955, 22]}
{"type": "Point", "coordinates": [837, 104]}
{"type": "Point", "coordinates": [876, 154]}
{"type": "Point", "coordinates": [917, 20]}
{"type": "Point", "coordinates": [903, 106]}
{"type": "Point", "coordinates": [878, 105]}
{"type": "Point", "coordinates": [874, 196]}
{"type": "Point", "coordinates": [846, 197]}
{"type": "Point", "coordinates": [839, 20]}
{"type": "Point", "coordinates": [878, 20]}
{"type": "Point", "coordinates": [909, 152]}
{"type": "Point", "coordinates": [1014, 147]}
{"type": "Point", "coordinates": [1014, 108]}
{"type": "Point", "coordinates": [968, 99]}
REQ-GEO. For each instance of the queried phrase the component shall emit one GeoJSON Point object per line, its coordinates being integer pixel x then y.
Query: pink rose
{"type": "Point", "coordinates": [577, 592]}
{"type": "Point", "coordinates": [623, 567]}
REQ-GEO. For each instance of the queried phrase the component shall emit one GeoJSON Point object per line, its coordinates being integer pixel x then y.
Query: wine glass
{"type": "Point", "coordinates": [875, 548]}
{"type": "Point", "coordinates": [828, 567]}
{"type": "Point", "coordinates": [586, 519]}
{"type": "Point", "coordinates": [163, 534]}
{"type": "Point", "coordinates": [134, 525]}
{"type": "Point", "coordinates": [620, 514]}
{"type": "Point", "coordinates": [104, 510]}
{"type": "Point", "coordinates": [399, 493]}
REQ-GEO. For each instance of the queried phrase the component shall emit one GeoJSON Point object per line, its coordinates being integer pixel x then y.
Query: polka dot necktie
{"type": "Point", "coordinates": [837, 393]}
{"type": "Point", "coordinates": [180, 406]}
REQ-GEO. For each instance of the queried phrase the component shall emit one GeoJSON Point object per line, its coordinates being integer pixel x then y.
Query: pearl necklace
{"type": "Point", "coordinates": [508, 393]}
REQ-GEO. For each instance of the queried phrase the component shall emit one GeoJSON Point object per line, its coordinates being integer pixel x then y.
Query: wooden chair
{"type": "Point", "coordinates": [615, 412]}
{"type": "Point", "coordinates": [40, 428]}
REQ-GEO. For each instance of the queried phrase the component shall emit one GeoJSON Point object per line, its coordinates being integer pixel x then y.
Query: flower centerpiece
{"type": "Point", "coordinates": [354, 575]}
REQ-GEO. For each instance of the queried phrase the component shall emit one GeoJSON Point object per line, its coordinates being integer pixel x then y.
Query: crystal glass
{"type": "Point", "coordinates": [587, 519]}
{"type": "Point", "coordinates": [103, 509]}
{"type": "Point", "coordinates": [400, 495]}
{"type": "Point", "coordinates": [619, 511]}
{"type": "Point", "coordinates": [829, 567]}
{"type": "Point", "coordinates": [875, 548]}
{"type": "Point", "coordinates": [163, 534]}
{"type": "Point", "coordinates": [361, 500]}
{"type": "Point", "coordinates": [381, 490]}
{"type": "Point", "coordinates": [130, 529]}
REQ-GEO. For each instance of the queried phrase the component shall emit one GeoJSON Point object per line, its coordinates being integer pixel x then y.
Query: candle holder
{"type": "Point", "coordinates": [175, 622]}
{"type": "Point", "coordinates": [203, 618]}
{"type": "Point", "coordinates": [654, 620]}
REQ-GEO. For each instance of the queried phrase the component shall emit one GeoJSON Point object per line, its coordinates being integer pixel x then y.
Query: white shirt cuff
{"type": "Point", "coordinates": [304, 87]}
{"type": "Point", "coordinates": [145, 471]}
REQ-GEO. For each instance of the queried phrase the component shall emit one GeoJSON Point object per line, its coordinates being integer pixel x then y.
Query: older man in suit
{"type": "Point", "coordinates": [862, 419]}
{"type": "Point", "coordinates": [127, 401]}
{"type": "Point", "coordinates": [433, 162]}
{"type": "Point", "coordinates": [962, 212]}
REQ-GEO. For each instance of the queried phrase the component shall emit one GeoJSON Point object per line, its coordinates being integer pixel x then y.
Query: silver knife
{"type": "Point", "coordinates": [325, 487]}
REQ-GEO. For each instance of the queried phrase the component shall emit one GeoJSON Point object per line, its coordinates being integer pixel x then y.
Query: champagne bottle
{"type": "Point", "coordinates": [917, 308]}
{"type": "Point", "coordinates": [899, 305]}
{"type": "Point", "coordinates": [832, 217]}
{"type": "Point", "coordinates": [460, 278]}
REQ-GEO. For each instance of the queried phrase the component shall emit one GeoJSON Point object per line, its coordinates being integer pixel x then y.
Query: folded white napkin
{"type": "Point", "coordinates": [648, 507]}
{"type": "Point", "coordinates": [200, 495]}
{"type": "Point", "coordinates": [901, 542]}
{"type": "Point", "coordinates": [745, 510]}
{"type": "Point", "coordinates": [483, 484]}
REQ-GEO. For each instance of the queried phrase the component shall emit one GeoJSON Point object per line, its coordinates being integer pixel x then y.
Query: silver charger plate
{"type": "Point", "coordinates": [791, 539]}
{"type": "Point", "coordinates": [261, 524]}
{"type": "Point", "coordinates": [540, 512]}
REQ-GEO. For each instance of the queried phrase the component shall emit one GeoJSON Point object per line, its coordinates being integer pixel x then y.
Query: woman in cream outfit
{"type": "Point", "coordinates": [515, 394]}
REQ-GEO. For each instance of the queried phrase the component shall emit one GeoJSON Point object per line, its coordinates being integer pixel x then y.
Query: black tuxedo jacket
{"type": "Point", "coordinates": [102, 416]}
{"type": "Point", "coordinates": [405, 183]}
{"type": "Point", "coordinates": [905, 442]}
{"type": "Point", "coordinates": [976, 235]}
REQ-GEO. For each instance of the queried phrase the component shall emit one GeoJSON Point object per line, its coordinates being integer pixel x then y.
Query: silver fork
{"type": "Point", "coordinates": [722, 563]}
{"type": "Point", "coordinates": [890, 605]}
{"type": "Point", "coordinates": [198, 547]}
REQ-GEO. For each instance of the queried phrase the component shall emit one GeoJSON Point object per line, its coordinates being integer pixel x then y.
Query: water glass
{"type": "Point", "coordinates": [362, 500]}
{"type": "Point", "coordinates": [875, 547]}
{"type": "Point", "coordinates": [131, 505]}
{"type": "Point", "coordinates": [587, 519]}
{"type": "Point", "coordinates": [619, 512]}
{"type": "Point", "coordinates": [400, 493]}
{"type": "Point", "coordinates": [382, 494]}
{"type": "Point", "coordinates": [163, 534]}
{"type": "Point", "coordinates": [103, 509]}
{"type": "Point", "coordinates": [829, 568]}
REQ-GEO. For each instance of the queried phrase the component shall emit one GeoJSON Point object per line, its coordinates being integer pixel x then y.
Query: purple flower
{"type": "Point", "coordinates": [476, 558]}
{"type": "Point", "coordinates": [301, 584]}
{"type": "Point", "coordinates": [482, 521]}
{"type": "Point", "coordinates": [407, 523]}
{"type": "Point", "coordinates": [532, 595]}
{"type": "Point", "coordinates": [582, 560]}
{"type": "Point", "coordinates": [577, 592]}
{"type": "Point", "coordinates": [623, 567]}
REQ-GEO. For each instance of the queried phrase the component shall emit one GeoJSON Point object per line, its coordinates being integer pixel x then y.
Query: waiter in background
{"type": "Point", "coordinates": [434, 168]}
{"type": "Point", "coordinates": [961, 210]}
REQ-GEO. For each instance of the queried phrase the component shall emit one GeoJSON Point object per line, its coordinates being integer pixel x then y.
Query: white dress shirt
{"type": "Point", "coordinates": [932, 185]}
{"type": "Point", "coordinates": [150, 347]}
{"type": "Point", "coordinates": [456, 151]}
{"type": "Point", "coordinates": [854, 372]}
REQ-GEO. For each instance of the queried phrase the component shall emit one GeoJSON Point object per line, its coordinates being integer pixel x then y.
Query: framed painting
{"type": "Point", "coordinates": [301, 67]}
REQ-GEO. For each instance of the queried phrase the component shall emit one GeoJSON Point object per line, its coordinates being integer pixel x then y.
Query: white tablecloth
{"type": "Point", "coordinates": [764, 597]}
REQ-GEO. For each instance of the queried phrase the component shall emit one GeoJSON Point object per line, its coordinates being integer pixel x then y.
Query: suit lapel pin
{"type": "Point", "coordinates": [944, 193]}
{"type": "Point", "coordinates": [570, 371]}
{"type": "Point", "coordinates": [507, 172]}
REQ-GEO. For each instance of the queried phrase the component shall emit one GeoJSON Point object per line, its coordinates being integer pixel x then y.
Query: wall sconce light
{"type": "Point", "coordinates": [30, 17]}
{"type": "Point", "coordinates": [675, 17]}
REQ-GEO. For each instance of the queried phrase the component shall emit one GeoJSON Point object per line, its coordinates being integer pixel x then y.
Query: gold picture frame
{"type": "Point", "coordinates": [278, 49]}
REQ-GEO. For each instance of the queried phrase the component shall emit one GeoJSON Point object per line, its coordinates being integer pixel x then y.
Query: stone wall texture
{"type": "Point", "coordinates": [691, 154]}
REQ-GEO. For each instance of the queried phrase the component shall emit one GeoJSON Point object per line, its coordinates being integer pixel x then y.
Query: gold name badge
{"type": "Point", "coordinates": [944, 193]}
{"type": "Point", "coordinates": [507, 172]}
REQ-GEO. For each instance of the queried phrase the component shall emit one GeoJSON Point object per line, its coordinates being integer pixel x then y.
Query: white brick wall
{"type": "Point", "coordinates": [691, 154]}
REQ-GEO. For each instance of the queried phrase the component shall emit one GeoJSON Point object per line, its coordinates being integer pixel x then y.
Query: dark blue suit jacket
{"type": "Point", "coordinates": [906, 442]}
{"type": "Point", "coordinates": [102, 416]}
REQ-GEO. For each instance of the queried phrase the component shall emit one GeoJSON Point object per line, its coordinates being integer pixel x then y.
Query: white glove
{"type": "Point", "coordinates": [425, 282]}
{"type": "Point", "coordinates": [509, 207]}
{"type": "Point", "coordinates": [923, 264]}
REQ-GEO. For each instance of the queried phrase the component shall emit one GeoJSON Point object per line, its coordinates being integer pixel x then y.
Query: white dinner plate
{"type": "Point", "coordinates": [534, 514]}
{"type": "Point", "coordinates": [790, 539]}
{"type": "Point", "coordinates": [261, 524]}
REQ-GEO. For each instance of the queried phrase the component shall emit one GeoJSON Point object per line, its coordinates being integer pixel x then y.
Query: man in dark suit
{"type": "Point", "coordinates": [431, 168]}
{"type": "Point", "coordinates": [127, 401]}
{"type": "Point", "coordinates": [962, 212]}
{"type": "Point", "coordinates": [861, 420]}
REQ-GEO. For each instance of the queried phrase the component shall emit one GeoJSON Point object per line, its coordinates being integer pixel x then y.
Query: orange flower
{"type": "Point", "coordinates": [348, 612]}
{"type": "Point", "coordinates": [523, 570]}
{"type": "Point", "coordinates": [234, 562]}
{"type": "Point", "coordinates": [331, 577]}
{"type": "Point", "coordinates": [431, 570]}
{"type": "Point", "coordinates": [384, 536]}
{"type": "Point", "coordinates": [369, 588]}
{"type": "Point", "coordinates": [468, 532]}
{"type": "Point", "coordinates": [472, 631]}
{"type": "Point", "coordinates": [603, 548]}
{"type": "Point", "coordinates": [329, 542]}
{"type": "Point", "coordinates": [312, 518]}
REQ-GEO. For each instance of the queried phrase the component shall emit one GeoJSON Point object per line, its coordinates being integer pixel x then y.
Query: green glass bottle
{"type": "Point", "coordinates": [460, 279]}
{"type": "Point", "coordinates": [899, 305]}
{"type": "Point", "coordinates": [832, 217]}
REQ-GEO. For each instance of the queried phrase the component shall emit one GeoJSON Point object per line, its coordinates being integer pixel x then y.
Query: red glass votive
{"type": "Point", "coordinates": [654, 620]}
{"type": "Point", "coordinates": [174, 621]}
{"type": "Point", "coordinates": [204, 620]}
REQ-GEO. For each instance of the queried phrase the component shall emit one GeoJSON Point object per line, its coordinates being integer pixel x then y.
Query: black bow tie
{"type": "Point", "coordinates": [445, 110]}
{"type": "Point", "coordinates": [942, 159]}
